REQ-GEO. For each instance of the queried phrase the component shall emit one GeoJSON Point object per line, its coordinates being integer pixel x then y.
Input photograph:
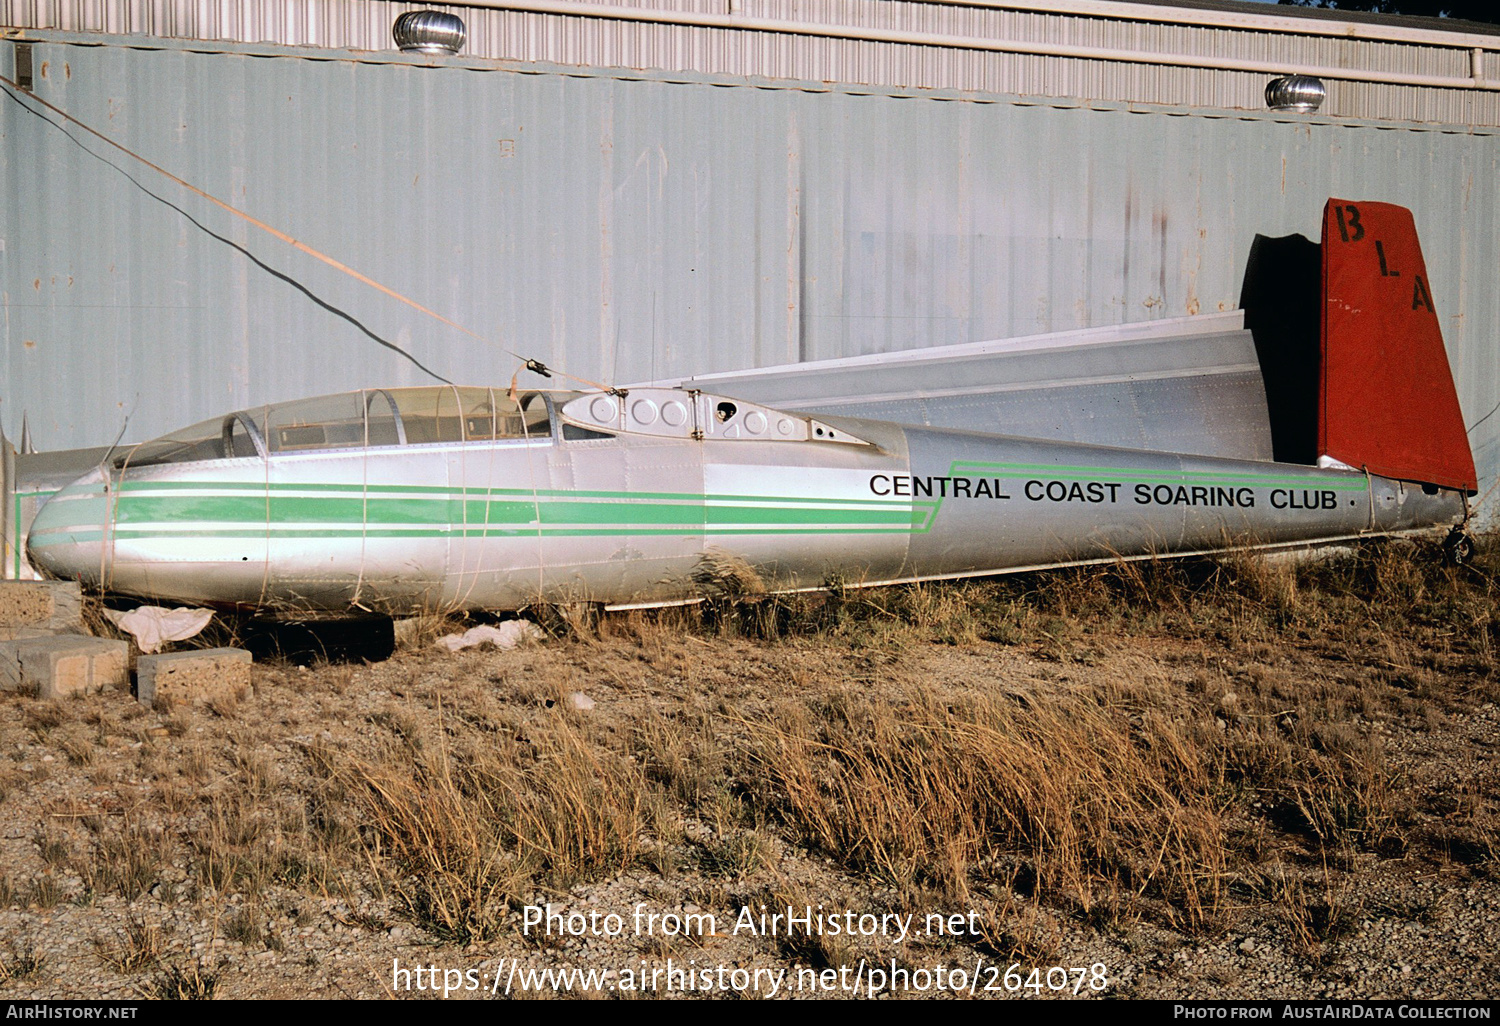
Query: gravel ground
{"type": "Point", "coordinates": [91, 781]}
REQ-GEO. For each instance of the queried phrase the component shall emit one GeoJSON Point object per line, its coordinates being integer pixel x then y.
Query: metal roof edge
{"type": "Point", "coordinates": [719, 79]}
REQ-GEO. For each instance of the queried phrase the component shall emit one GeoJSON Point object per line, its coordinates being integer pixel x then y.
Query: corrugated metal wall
{"type": "Point", "coordinates": [836, 55]}
{"type": "Point", "coordinates": [627, 226]}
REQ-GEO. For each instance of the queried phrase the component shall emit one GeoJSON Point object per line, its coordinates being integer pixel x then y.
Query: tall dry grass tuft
{"type": "Point", "coordinates": [737, 602]}
{"type": "Point", "coordinates": [91, 613]}
{"type": "Point", "coordinates": [1053, 796]}
{"type": "Point", "coordinates": [950, 614]}
{"type": "Point", "coordinates": [190, 981]}
{"type": "Point", "coordinates": [468, 833]}
{"type": "Point", "coordinates": [1344, 794]}
{"type": "Point", "coordinates": [720, 575]}
{"type": "Point", "coordinates": [1266, 580]}
{"type": "Point", "coordinates": [683, 754]}
{"type": "Point", "coordinates": [577, 620]}
{"type": "Point", "coordinates": [127, 861]}
{"type": "Point", "coordinates": [22, 963]}
{"type": "Point", "coordinates": [1314, 913]}
{"type": "Point", "coordinates": [138, 946]}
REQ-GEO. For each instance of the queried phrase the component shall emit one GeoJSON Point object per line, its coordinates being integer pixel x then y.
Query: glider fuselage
{"type": "Point", "coordinates": [622, 498]}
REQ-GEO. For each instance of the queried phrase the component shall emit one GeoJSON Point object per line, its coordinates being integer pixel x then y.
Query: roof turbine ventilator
{"type": "Point", "coordinates": [1301, 93]}
{"type": "Point", "coordinates": [434, 32]}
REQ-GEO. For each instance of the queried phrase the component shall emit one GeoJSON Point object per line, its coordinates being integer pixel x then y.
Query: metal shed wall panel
{"type": "Point", "coordinates": [592, 40]}
{"type": "Point", "coordinates": [630, 227]}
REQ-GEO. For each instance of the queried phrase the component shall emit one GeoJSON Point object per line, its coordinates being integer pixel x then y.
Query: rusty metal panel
{"type": "Point", "coordinates": [635, 226]}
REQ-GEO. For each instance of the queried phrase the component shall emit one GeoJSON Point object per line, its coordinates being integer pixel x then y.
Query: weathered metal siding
{"type": "Point", "coordinates": [630, 227]}
{"type": "Point", "coordinates": [1200, 72]}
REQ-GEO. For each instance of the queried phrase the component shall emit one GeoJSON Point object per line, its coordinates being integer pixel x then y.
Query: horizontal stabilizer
{"type": "Point", "coordinates": [1387, 401]}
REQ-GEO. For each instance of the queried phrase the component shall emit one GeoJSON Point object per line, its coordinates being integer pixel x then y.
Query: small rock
{"type": "Point", "coordinates": [581, 701]}
{"type": "Point", "coordinates": [1247, 946]}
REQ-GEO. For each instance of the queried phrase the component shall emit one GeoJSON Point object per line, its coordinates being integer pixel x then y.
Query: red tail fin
{"type": "Point", "coordinates": [1387, 401]}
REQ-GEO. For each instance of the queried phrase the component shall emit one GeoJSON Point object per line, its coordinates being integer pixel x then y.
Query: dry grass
{"type": "Point", "coordinates": [1180, 743]}
{"type": "Point", "coordinates": [470, 832]}
{"type": "Point", "coordinates": [127, 861]}
{"type": "Point", "coordinates": [812, 948]}
{"type": "Point", "coordinates": [736, 855]}
{"type": "Point", "coordinates": [1132, 797]}
{"type": "Point", "coordinates": [1315, 912]}
{"type": "Point", "coordinates": [414, 633]}
{"type": "Point", "coordinates": [138, 946]}
{"type": "Point", "coordinates": [190, 981]}
{"type": "Point", "coordinates": [1053, 796]}
{"type": "Point", "coordinates": [19, 964]}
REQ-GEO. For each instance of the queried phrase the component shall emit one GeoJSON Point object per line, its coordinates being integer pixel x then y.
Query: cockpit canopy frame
{"type": "Point", "coordinates": [367, 418]}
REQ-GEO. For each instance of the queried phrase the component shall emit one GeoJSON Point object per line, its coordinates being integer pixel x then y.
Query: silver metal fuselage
{"type": "Point", "coordinates": [625, 514]}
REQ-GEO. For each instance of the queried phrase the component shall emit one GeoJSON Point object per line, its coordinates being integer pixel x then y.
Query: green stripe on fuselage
{"type": "Point", "coordinates": [394, 510]}
{"type": "Point", "coordinates": [277, 487]}
{"type": "Point", "coordinates": [137, 509]}
{"type": "Point", "coordinates": [480, 531]}
{"type": "Point", "coordinates": [186, 510]}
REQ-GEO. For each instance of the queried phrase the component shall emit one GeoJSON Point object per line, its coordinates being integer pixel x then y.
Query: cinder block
{"type": "Point", "coordinates": [19, 633]}
{"type": "Point", "coordinates": [199, 677]}
{"type": "Point", "coordinates": [64, 665]}
{"type": "Point", "coordinates": [41, 605]}
{"type": "Point", "coordinates": [406, 631]}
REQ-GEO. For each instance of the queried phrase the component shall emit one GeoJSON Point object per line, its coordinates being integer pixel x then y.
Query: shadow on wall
{"type": "Point", "coordinates": [1280, 297]}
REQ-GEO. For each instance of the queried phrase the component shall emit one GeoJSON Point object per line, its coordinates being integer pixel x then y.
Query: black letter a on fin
{"type": "Point", "coordinates": [1419, 296]}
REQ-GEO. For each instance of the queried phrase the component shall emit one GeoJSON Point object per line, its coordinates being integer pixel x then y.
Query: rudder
{"type": "Point", "coordinates": [1387, 403]}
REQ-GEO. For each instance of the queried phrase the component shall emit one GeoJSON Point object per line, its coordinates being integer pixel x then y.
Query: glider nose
{"type": "Point", "coordinates": [70, 537]}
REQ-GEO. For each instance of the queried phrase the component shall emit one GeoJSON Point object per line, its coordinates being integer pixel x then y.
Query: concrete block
{"type": "Point", "coordinates": [18, 633]}
{"type": "Point", "coordinates": [65, 665]}
{"type": "Point", "coordinates": [207, 675]}
{"type": "Point", "coordinates": [406, 631]}
{"type": "Point", "coordinates": [41, 605]}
